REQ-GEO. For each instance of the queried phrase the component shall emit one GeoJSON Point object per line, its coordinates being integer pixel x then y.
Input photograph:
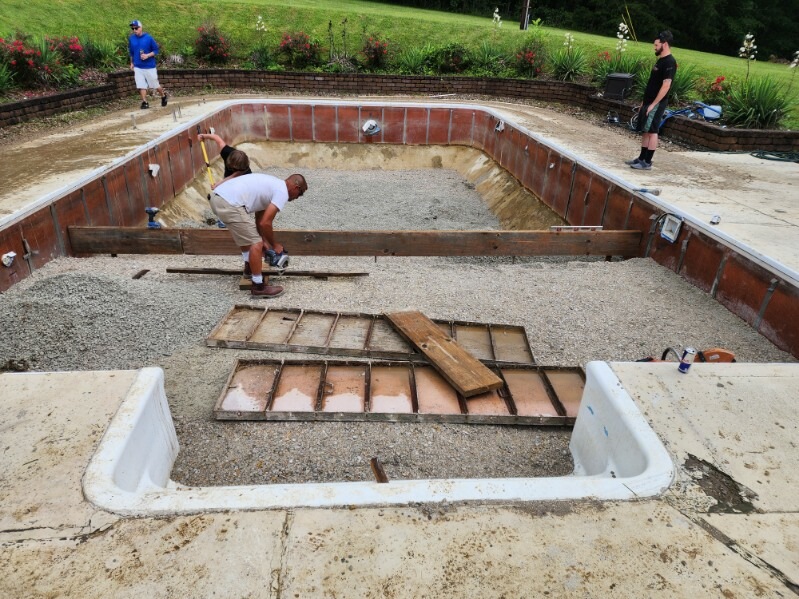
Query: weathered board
{"type": "Point", "coordinates": [460, 368]}
{"type": "Point", "coordinates": [137, 240]}
{"type": "Point", "coordinates": [328, 390]}
{"type": "Point", "coordinates": [361, 335]}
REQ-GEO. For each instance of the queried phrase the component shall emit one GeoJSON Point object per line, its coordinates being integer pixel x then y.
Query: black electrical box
{"type": "Point", "coordinates": [618, 86]}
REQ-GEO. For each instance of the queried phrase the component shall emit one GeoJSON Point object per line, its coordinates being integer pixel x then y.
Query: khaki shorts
{"type": "Point", "coordinates": [146, 78]}
{"type": "Point", "coordinates": [239, 222]}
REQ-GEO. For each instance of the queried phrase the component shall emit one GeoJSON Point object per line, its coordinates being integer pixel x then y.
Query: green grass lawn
{"type": "Point", "coordinates": [173, 24]}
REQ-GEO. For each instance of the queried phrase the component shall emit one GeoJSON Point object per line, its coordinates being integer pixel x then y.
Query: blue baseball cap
{"type": "Point", "coordinates": [135, 24]}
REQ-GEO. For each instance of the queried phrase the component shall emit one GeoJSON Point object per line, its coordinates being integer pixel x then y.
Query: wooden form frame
{"type": "Point", "coordinates": [209, 242]}
{"type": "Point", "coordinates": [358, 335]}
{"type": "Point", "coordinates": [342, 390]}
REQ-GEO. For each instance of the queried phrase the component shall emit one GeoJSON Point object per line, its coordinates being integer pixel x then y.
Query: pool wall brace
{"type": "Point", "coordinates": [763, 293]}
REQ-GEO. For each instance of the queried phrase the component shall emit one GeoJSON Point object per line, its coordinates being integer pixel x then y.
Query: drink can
{"type": "Point", "coordinates": [688, 355]}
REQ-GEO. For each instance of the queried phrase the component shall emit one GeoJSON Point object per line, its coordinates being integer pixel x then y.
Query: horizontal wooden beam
{"type": "Point", "coordinates": [207, 242]}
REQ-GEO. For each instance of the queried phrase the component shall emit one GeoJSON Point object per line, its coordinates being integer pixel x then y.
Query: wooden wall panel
{"type": "Point", "coordinates": [325, 127]}
{"type": "Point", "coordinates": [368, 113]}
{"type": "Point", "coordinates": [780, 322]}
{"type": "Point", "coordinates": [278, 124]}
{"type": "Point", "coordinates": [96, 205]}
{"type": "Point", "coordinates": [301, 122]}
{"type": "Point", "coordinates": [393, 125]}
{"type": "Point", "coordinates": [438, 129]}
{"type": "Point", "coordinates": [11, 241]}
{"type": "Point", "coordinates": [251, 122]}
{"type": "Point", "coordinates": [482, 126]}
{"type": "Point", "coordinates": [618, 206]}
{"type": "Point", "coordinates": [558, 174]}
{"type": "Point", "coordinates": [702, 260]}
{"type": "Point", "coordinates": [349, 128]}
{"type": "Point", "coordinates": [743, 287]}
{"type": "Point", "coordinates": [69, 211]}
{"type": "Point", "coordinates": [579, 195]}
{"type": "Point", "coordinates": [416, 126]}
{"type": "Point", "coordinates": [461, 126]}
{"type": "Point", "coordinates": [595, 205]}
{"type": "Point", "coordinates": [42, 236]}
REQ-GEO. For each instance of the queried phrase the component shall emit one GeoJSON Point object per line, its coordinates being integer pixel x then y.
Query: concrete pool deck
{"type": "Point", "coordinates": [737, 420]}
{"type": "Point", "coordinates": [55, 543]}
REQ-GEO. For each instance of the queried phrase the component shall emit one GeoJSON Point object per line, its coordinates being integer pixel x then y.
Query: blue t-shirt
{"type": "Point", "coordinates": [144, 43]}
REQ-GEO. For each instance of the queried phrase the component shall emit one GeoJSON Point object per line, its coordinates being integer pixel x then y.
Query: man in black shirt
{"type": "Point", "coordinates": [656, 98]}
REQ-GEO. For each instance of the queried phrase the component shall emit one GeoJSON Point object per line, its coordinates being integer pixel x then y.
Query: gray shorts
{"type": "Point", "coordinates": [146, 78]}
{"type": "Point", "coordinates": [239, 222]}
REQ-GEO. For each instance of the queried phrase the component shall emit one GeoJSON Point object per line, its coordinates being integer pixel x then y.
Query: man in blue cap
{"type": "Point", "coordinates": [143, 50]}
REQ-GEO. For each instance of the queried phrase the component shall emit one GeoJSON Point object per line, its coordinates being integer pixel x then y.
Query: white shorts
{"type": "Point", "coordinates": [146, 78]}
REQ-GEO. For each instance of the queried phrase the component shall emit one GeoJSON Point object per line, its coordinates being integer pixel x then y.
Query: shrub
{"type": "Point", "coordinates": [104, 55]}
{"type": "Point", "coordinates": [531, 56]}
{"type": "Point", "coordinates": [600, 67]}
{"type": "Point", "coordinates": [211, 45]}
{"type": "Point", "coordinates": [26, 63]}
{"type": "Point", "coordinates": [416, 60]}
{"type": "Point", "coordinates": [489, 60]}
{"type": "Point", "coordinates": [375, 52]}
{"type": "Point", "coordinates": [6, 78]}
{"type": "Point", "coordinates": [69, 49]}
{"type": "Point", "coordinates": [713, 92]}
{"type": "Point", "coordinates": [568, 64]}
{"type": "Point", "coordinates": [261, 58]}
{"type": "Point", "coordinates": [299, 50]}
{"type": "Point", "coordinates": [452, 58]}
{"type": "Point", "coordinates": [756, 104]}
{"type": "Point", "coordinates": [341, 64]}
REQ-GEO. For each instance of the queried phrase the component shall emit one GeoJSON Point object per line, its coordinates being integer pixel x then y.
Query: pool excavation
{"type": "Point", "coordinates": [584, 213]}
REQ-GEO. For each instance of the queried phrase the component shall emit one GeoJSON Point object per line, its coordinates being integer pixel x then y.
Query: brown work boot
{"type": "Point", "coordinates": [247, 271]}
{"type": "Point", "coordinates": [266, 291]}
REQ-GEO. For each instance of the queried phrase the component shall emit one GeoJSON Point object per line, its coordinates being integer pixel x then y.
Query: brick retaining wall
{"type": "Point", "coordinates": [121, 85]}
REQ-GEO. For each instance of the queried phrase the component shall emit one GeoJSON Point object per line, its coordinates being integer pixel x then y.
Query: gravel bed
{"type": "Point", "coordinates": [90, 314]}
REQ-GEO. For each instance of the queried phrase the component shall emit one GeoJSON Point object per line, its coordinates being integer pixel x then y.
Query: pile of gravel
{"type": "Point", "coordinates": [88, 314]}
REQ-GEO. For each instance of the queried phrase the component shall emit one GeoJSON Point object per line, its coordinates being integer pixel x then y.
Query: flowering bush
{"type": "Point", "coordinates": [69, 49]}
{"type": "Point", "coordinates": [568, 63]}
{"type": "Point", "coordinates": [24, 62]}
{"type": "Point", "coordinates": [713, 92]}
{"type": "Point", "coordinates": [375, 52]}
{"type": "Point", "coordinates": [532, 55]}
{"type": "Point", "coordinates": [299, 50]}
{"type": "Point", "coordinates": [211, 45]}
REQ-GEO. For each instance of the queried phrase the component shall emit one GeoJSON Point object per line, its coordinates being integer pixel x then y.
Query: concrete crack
{"type": "Point", "coordinates": [279, 573]}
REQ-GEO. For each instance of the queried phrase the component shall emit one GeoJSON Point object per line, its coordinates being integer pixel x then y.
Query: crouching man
{"type": "Point", "coordinates": [248, 204]}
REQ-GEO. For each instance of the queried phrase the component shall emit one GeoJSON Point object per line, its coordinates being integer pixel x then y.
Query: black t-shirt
{"type": "Point", "coordinates": [224, 154]}
{"type": "Point", "coordinates": [665, 68]}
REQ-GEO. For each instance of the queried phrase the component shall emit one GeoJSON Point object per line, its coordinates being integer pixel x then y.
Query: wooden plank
{"type": "Point", "coordinates": [205, 242]}
{"type": "Point", "coordinates": [460, 368]}
{"type": "Point", "coordinates": [125, 240]}
{"type": "Point", "coordinates": [317, 274]}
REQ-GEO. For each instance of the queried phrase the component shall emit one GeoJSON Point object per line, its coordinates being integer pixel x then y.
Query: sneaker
{"type": "Point", "coordinates": [247, 274]}
{"type": "Point", "coordinates": [164, 99]}
{"type": "Point", "coordinates": [633, 161]}
{"type": "Point", "coordinates": [144, 105]}
{"type": "Point", "coordinates": [260, 290]}
{"type": "Point", "coordinates": [643, 165]}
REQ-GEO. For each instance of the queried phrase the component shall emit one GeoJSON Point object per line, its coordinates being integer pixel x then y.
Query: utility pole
{"type": "Point", "coordinates": [525, 18]}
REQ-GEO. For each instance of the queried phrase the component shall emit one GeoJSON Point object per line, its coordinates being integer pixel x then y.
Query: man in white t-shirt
{"type": "Point", "coordinates": [236, 200]}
